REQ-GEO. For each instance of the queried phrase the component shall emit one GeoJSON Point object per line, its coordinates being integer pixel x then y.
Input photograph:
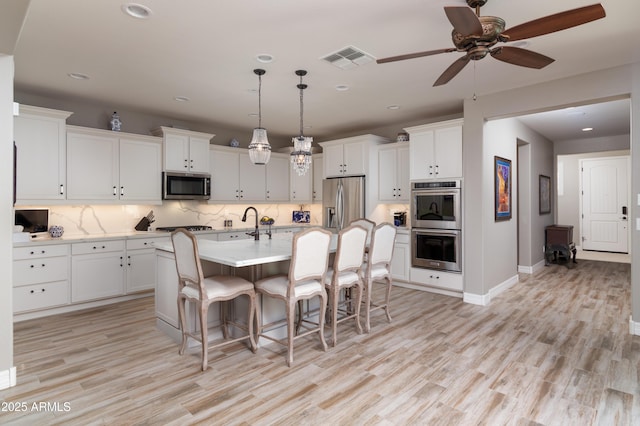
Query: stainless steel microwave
{"type": "Point", "coordinates": [186, 186]}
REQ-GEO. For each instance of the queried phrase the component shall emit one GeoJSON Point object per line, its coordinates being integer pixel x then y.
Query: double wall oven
{"type": "Point", "coordinates": [436, 225]}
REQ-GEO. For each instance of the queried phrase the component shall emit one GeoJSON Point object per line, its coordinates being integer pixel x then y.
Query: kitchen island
{"type": "Point", "coordinates": [248, 258]}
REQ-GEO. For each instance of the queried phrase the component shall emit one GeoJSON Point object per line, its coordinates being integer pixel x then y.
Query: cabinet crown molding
{"type": "Point", "coordinates": [162, 130]}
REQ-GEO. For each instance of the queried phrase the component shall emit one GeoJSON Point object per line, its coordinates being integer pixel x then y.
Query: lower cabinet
{"type": "Point", "coordinates": [98, 270]}
{"type": "Point", "coordinates": [401, 261]}
{"type": "Point", "coordinates": [438, 280]}
{"type": "Point", "coordinates": [141, 264]}
{"type": "Point", "coordinates": [40, 277]}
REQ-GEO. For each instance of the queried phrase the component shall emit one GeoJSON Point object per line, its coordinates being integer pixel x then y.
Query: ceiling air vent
{"type": "Point", "coordinates": [348, 57]}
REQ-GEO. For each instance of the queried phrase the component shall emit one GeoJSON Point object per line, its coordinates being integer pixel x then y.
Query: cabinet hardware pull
{"type": "Point", "coordinates": [61, 189]}
{"type": "Point", "coordinates": [114, 191]}
{"type": "Point", "coordinates": [122, 191]}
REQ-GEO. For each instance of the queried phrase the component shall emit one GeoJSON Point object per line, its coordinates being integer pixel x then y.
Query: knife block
{"type": "Point", "coordinates": [143, 225]}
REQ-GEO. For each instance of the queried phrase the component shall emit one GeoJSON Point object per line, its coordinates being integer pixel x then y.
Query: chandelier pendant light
{"type": "Point", "coordinates": [259, 148]}
{"type": "Point", "coordinates": [301, 154]}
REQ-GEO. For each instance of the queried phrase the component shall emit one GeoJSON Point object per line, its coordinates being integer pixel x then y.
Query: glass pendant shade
{"type": "Point", "coordinates": [301, 155]}
{"type": "Point", "coordinates": [259, 148]}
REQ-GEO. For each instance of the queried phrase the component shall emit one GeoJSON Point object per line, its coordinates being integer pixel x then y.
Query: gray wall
{"type": "Point", "coordinates": [484, 252]}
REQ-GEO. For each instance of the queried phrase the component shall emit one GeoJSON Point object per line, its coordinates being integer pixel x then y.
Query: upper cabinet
{"type": "Point", "coordinates": [106, 166]}
{"type": "Point", "coordinates": [348, 157]}
{"type": "Point", "coordinates": [235, 178]}
{"type": "Point", "coordinates": [436, 150]}
{"type": "Point", "coordinates": [184, 150]}
{"type": "Point", "coordinates": [41, 144]}
{"type": "Point", "coordinates": [302, 186]}
{"type": "Point", "coordinates": [318, 169]}
{"type": "Point", "coordinates": [393, 173]}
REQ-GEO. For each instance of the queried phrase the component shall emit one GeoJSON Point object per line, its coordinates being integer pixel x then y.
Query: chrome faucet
{"type": "Point", "coordinates": [255, 233]}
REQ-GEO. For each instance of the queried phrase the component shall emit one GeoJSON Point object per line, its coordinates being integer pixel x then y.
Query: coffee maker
{"type": "Point", "coordinates": [400, 218]}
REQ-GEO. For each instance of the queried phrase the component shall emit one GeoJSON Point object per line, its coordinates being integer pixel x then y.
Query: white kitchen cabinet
{"type": "Point", "coordinates": [349, 156]}
{"type": "Point", "coordinates": [184, 150]}
{"type": "Point", "coordinates": [318, 169]}
{"type": "Point", "coordinates": [97, 270]}
{"type": "Point", "coordinates": [436, 150]}
{"type": "Point", "coordinates": [301, 187]}
{"type": "Point", "coordinates": [277, 178]}
{"type": "Point", "coordinates": [252, 180]}
{"type": "Point", "coordinates": [438, 280]}
{"type": "Point", "coordinates": [235, 178]}
{"type": "Point", "coordinates": [141, 264]}
{"type": "Point", "coordinates": [40, 277]}
{"type": "Point", "coordinates": [105, 166]}
{"type": "Point", "coordinates": [393, 173]}
{"type": "Point", "coordinates": [401, 261]}
{"type": "Point", "coordinates": [41, 145]}
{"type": "Point", "coordinates": [225, 174]}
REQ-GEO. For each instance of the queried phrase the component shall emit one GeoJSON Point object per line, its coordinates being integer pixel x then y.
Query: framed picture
{"type": "Point", "coordinates": [545, 194]}
{"type": "Point", "coordinates": [502, 169]}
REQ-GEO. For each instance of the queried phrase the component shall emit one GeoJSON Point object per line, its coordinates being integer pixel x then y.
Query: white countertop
{"type": "Point", "coordinates": [248, 252]}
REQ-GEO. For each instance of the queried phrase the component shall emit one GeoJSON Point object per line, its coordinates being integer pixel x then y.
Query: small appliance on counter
{"type": "Point", "coordinates": [400, 218]}
{"type": "Point", "coordinates": [33, 220]}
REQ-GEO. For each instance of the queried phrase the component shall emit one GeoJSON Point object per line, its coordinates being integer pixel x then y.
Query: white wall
{"type": "Point", "coordinates": [6, 221]}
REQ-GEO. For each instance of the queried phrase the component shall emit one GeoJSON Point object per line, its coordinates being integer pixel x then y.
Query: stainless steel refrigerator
{"type": "Point", "coordinates": [342, 201]}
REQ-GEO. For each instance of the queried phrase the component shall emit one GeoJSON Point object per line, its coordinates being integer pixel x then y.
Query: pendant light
{"type": "Point", "coordinates": [301, 155]}
{"type": "Point", "coordinates": [259, 148]}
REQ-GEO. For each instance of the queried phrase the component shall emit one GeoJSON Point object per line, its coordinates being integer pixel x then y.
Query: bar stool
{"type": "Point", "coordinates": [203, 291]}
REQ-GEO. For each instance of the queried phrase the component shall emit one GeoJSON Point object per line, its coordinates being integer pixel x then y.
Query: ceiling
{"type": "Point", "coordinates": [206, 51]}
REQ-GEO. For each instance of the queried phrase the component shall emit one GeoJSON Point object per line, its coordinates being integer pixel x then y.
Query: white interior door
{"type": "Point", "coordinates": [605, 201]}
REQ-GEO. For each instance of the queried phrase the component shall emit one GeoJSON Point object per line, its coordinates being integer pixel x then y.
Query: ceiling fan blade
{"type": "Point", "coordinates": [452, 71]}
{"type": "Point", "coordinates": [464, 20]}
{"type": "Point", "coordinates": [558, 22]}
{"type": "Point", "coordinates": [414, 55]}
{"type": "Point", "coordinates": [522, 57]}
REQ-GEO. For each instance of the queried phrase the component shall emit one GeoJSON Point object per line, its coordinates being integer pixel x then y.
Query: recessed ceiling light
{"type": "Point", "coordinates": [393, 107]}
{"type": "Point", "coordinates": [78, 76]}
{"type": "Point", "coordinates": [136, 10]}
{"type": "Point", "coordinates": [342, 87]}
{"type": "Point", "coordinates": [253, 114]}
{"type": "Point", "coordinates": [587, 129]}
{"type": "Point", "coordinates": [264, 58]}
{"type": "Point", "coordinates": [181, 99]}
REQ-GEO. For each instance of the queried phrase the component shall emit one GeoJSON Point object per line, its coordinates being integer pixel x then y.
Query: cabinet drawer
{"type": "Point", "coordinates": [40, 270]}
{"type": "Point", "coordinates": [40, 296]}
{"type": "Point", "coordinates": [97, 247]}
{"type": "Point", "coordinates": [142, 243]}
{"type": "Point", "coordinates": [40, 251]}
{"type": "Point", "coordinates": [402, 238]}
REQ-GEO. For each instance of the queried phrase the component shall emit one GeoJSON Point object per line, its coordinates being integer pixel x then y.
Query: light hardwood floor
{"type": "Point", "coordinates": [555, 349]}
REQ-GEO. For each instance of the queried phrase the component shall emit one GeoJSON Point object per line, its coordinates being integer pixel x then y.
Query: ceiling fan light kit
{"type": "Point", "coordinates": [477, 35]}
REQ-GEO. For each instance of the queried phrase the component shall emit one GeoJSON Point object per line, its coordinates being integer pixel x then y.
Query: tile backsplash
{"type": "Point", "coordinates": [109, 219]}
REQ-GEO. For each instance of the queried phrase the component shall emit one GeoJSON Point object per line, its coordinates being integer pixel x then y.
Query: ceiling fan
{"type": "Point", "coordinates": [477, 35]}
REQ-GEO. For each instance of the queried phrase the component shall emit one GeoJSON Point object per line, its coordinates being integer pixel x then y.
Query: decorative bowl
{"type": "Point", "coordinates": [56, 231]}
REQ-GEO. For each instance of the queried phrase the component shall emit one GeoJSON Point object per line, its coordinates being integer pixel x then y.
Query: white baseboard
{"type": "Point", "coordinates": [634, 327]}
{"type": "Point", "coordinates": [8, 378]}
{"type": "Point", "coordinates": [530, 269]}
{"type": "Point", "coordinates": [485, 299]}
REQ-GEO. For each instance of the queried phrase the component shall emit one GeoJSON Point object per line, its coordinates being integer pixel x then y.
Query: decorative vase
{"type": "Point", "coordinates": [56, 231]}
{"type": "Point", "coordinates": [234, 143]}
{"type": "Point", "coordinates": [115, 122]}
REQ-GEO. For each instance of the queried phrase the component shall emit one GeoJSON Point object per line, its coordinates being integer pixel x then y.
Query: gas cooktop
{"type": "Point", "coordinates": [187, 227]}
